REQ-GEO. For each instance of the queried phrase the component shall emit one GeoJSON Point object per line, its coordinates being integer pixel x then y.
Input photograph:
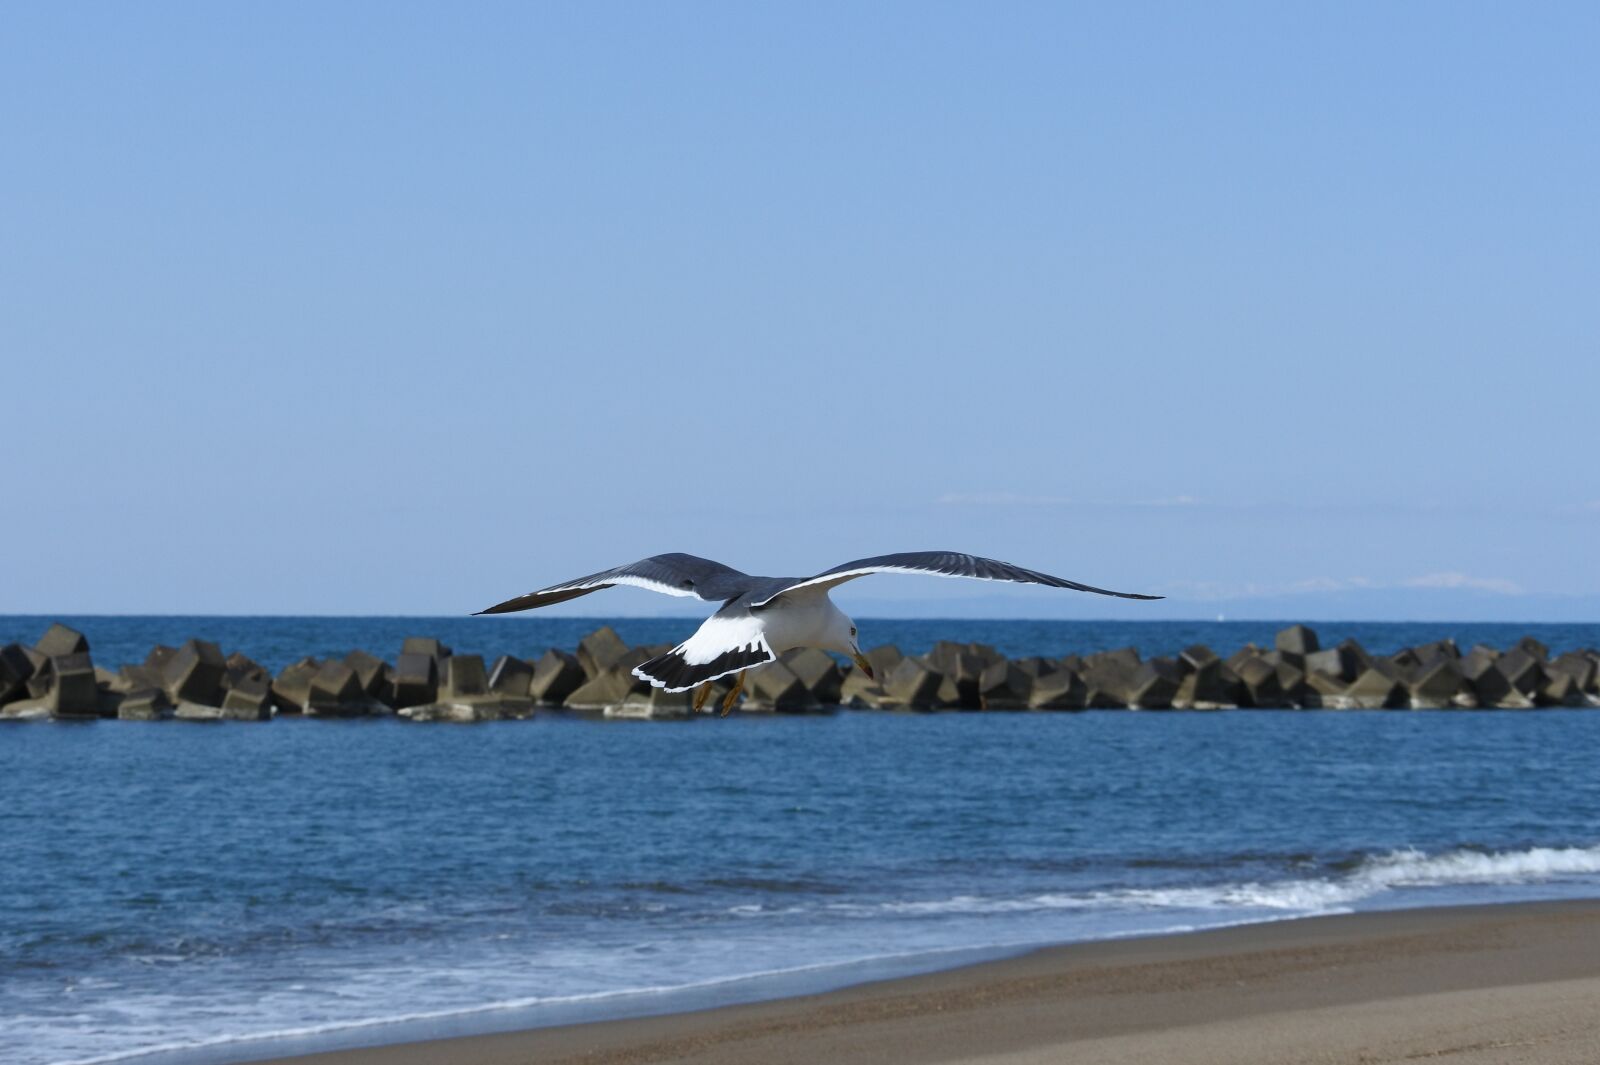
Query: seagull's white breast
{"type": "Point", "coordinates": [803, 620]}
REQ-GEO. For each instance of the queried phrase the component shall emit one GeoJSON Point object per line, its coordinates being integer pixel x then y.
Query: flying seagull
{"type": "Point", "coordinates": [761, 617]}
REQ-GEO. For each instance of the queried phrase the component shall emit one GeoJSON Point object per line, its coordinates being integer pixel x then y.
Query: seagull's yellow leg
{"type": "Point", "coordinates": [701, 696]}
{"type": "Point", "coordinates": [733, 693]}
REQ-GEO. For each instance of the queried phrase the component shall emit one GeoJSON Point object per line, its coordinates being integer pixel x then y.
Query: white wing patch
{"type": "Point", "coordinates": [628, 579]}
{"type": "Point", "coordinates": [849, 575]}
{"type": "Point", "coordinates": [719, 647]}
{"type": "Point", "coordinates": [719, 635]}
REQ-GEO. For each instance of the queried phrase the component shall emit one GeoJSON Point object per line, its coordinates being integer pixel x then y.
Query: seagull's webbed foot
{"type": "Point", "coordinates": [733, 693]}
{"type": "Point", "coordinates": [701, 695]}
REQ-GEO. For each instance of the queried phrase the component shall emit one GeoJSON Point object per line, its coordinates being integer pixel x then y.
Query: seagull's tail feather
{"type": "Point", "coordinates": [675, 673]}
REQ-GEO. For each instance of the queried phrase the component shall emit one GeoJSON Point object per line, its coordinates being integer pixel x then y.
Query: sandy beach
{"type": "Point", "coordinates": [1477, 984]}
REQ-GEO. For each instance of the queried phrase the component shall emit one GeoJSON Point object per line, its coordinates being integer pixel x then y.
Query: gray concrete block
{"type": "Point", "coordinates": [140, 676]}
{"type": "Point", "coordinates": [860, 693]}
{"type": "Point", "coordinates": [73, 691]}
{"type": "Point", "coordinates": [1338, 663]}
{"type": "Point", "coordinates": [1362, 657]}
{"type": "Point", "coordinates": [608, 688]}
{"type": "Point", "coordinates": [1375, 690]}
{"type": "Point", "coordinates": [670, 705]}
{"type": "Point", "coordinates": [1580, 667]}
{"type": "Point", "coordinates": [425, 645]}
{"type": "Point", "coordinates": [1241, 656]}
{"type": "Point", "coordinates": [291, 688]}
{"type": "Point", "coordinates": [15, 669]}
{"type": "Point", "coordinates": [1324, 690]}
{"type": "Point", "coordinates": [1533, 649]}
{"type": "Point", "coordinates": [158, 657]}
{"type": "Point", "coordinates": [883, 659]}
{"type": "Point", "coordinates": [775, 686]}
{"type": "Point", "coordinates": [1109, 676]}
{"type": "Point", "coordinates": [962, 665]}
{"type": "Point", "coordinates": [914, 684]}
{"type": "Point", "coordinates": [510, 676]}
{"type": "Point", "coordinates": [1297, 640]}
{"type": "Point", "coordinates": [555, 676]}
{"type": "Point", "coordinates": [464, 677]}
{"type": "Point", "coordinates": [25, 710]}
{"type": "Point", "coordinates": [1005, 685]}
{"type": "Point", "coordinates": [946, 653]}
{"type": "Point", "coordinates": [335, 691]}
{"type": "Point", "coordinates": [1154, 684]}
{"type": "Point", "coordinates": [59, 641]}
{"type": "Point", "coordinates": [941, 657]}
{"type": "Point", "coordinates": [818, 671]}
{"type": "Point", "coordinates": [416, 679]}
{"type": "Point", "coordinates": [248, 699]}
{"type": "Point", "coordinates": [1262, 688]}
{"type": "Point", "coordinates": [108, 702]}
{"type": "Point", "coordinates": [1211, 686]}
{"type": "Point", "coordinates": [1403, 663]}
{"type": "Point", "coordinates": [653, 705]}
{"type": "Point", "coordinates": [1292, 682]}
{"type": "Point", "coordinates": [961, 681]}
{"type": "Point", "coordinates": [197, 712]}
{"type": "Point", "coordinates": [1062, 689]}
{"type": "Point", "coordinates": [239, 664]}
{"type": "Point", "coordinates": [1560, 689]}
{"type": "Point", "coordinates": [1197, 656]}
{"type": "Point", "coordinates": [600, 650]}
{"type": "Point", "coordinates": [372, 674]}
{"type": "Point", "coordinates": [194, 673]}
{"type": "Point", "coordinates": [41, 663]}
{"type": "Point", "coordinates": [144, 704]}
{"type": "Point", "coordinates": [43, 679]}
{"type": "Point", "coordinates": [1429, 653]}
{"type": "Point", "coordinates": [1522, 669]}
{"type": "Point", "coordinates": [459, 712]}
{"type": "Point", "coordinates": [1439, 685]}
{"type": "Point", "coordinates": [1036, 665]}
{"type": "Point", "coordinates": [1476, 661]}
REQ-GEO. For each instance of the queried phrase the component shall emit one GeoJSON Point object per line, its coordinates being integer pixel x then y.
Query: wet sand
{"type": "Point", "coordinates": [1463, 985]}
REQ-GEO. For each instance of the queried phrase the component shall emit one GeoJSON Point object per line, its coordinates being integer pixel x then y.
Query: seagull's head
{"type": "Point", "coordinates": [843, 639]}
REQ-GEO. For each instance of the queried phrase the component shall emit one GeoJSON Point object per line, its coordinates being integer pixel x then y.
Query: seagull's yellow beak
{"type": "Point", "coordinates": [863, 665]}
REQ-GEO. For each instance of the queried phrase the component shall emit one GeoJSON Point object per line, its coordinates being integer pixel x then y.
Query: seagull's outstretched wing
{"type": "Point", "coordinates": [940, 564]}
{"type": "Point", "coordinates": [670, 574]}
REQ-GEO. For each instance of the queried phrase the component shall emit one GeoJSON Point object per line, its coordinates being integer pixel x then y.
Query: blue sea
{"type": "Point", "coordinates": [212, 894]}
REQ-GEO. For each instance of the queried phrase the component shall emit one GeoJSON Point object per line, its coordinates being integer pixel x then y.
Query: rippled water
{"type": "Point", "coordinates": [168, 885]}
{"type": "Point", "coordinates": [277, 641]}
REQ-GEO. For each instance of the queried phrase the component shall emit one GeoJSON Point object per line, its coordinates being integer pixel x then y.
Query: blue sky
{"type": "Point", "coordinates": [1280, 311]}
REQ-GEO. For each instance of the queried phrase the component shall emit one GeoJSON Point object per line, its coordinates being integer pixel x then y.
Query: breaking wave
{"type": "Point", "coordinates": [1369, 879]}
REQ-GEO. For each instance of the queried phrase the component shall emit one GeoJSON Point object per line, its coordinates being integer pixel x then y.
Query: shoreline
{"type": "Point", "coordinates": [1467, 981]}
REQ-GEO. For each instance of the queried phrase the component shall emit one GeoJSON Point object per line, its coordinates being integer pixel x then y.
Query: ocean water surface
{"type": "Point", "coordinates": [277, 641]}
{"type": "Point", "coordinates": [217, 893]}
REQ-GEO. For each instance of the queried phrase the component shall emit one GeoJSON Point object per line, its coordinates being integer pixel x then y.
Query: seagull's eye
{"type": "Point", "coordinates": [852, 630]}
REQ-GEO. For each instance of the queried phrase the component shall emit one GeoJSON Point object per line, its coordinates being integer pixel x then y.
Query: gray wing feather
{"type": "Point", "coordinates": [941, 564]}
{"type": "Point", "coordinates": [671, 574]}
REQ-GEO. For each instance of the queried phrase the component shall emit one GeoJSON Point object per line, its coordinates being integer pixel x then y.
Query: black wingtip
{"type": "Point", "coordinates": [521, 602]}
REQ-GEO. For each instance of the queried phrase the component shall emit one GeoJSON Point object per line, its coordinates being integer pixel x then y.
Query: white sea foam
{"type": "Point", "coordinates": [527, 1003]}
{"type": "Point", "coordinates": [1415, 868]}
{"type": "Point", "coordinates": [1366, 881]}
{"type": "Point", "coordinates": [930, 928]}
